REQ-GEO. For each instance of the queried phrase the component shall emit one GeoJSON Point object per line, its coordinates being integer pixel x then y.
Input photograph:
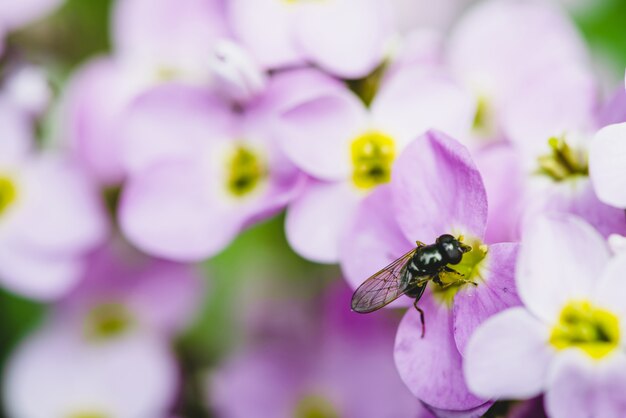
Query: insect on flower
{"type": "Point", "coordinates": [409, 275]}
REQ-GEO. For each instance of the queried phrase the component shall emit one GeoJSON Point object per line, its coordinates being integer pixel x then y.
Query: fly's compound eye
{"type": "Point", "coordinates": [452, 251]}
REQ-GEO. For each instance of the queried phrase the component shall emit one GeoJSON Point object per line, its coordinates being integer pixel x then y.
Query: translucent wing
{"type": "Point", "coordinates": [383, 287]}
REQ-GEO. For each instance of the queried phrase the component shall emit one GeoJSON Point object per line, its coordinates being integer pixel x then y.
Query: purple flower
{"type": "Point", "coordinates": [489, 51]}
{"type": "Point", "coordinates": [201, 172]}
{"type": "Point", "coordinates": [349, 149]}
{"type": "Point", "coordinates": [436, 189]}
{"type": "Point", "coordinates": [50, 216]}
{"type": "Point", "coordinates": [339, 367]}
{"type": "Point", "coordinates": [284, 33]}
{"type": "Point", "coordinates": [105, 350]}
{"type": "Point", "coordinates": [567, 339]}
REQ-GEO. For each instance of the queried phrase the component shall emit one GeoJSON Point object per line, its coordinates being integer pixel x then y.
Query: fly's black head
{"type": "Point", "coordinates": [451, 248]}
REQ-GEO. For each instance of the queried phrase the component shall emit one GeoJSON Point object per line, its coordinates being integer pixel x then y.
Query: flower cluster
{"type": "Point", "coordinates": [373, 125]}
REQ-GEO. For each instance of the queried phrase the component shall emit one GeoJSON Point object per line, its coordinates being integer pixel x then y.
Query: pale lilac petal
{"type": "Point", "coordinates": [15, 14]}
{"type": "Point", "coordinates": [489, 47]}
{"type": "Point", "coordinates": [614, 110]}
{"type": "Point", "coordinates": [410, 103]}
{"type": "Point", "coordinates": [316, 134]}
{"type": "Point", "coordinates": [316, 220]}
{"type": "Point", "coordinates": [576, 196]}
{"type": "Point", "coordinates": [60, 212]}
{"type": "Point", "coordinates": [561, 259]}
{"type": "Point", "coordinates": [173, 121]}
{"type": "Point", "coordinates": [508, 356]}
{"type": "Point", "coordinates": [503, 177]}
{"type": "Point", "coordinates": [610, 286]}
{"type": "Point", "coordinates": [37, 275]}
{"type": "Point", "coordinates": [167, 211]}
{"type": "Point", "coordinates": [431, 367]}
{"type": "Point", "coordinates": [550, 104]}
{"type": "Point", "coordinates": [134, 376]}
{"type": "Point", "coordinates": [29, 89]}
{"type": "Point", "coordinates": [411, 14]}
{"type": "Point", "coordinates": [438, 190]}
{"type": "Point", "coordinates": [265, 27]}
{"type": "Point", "coordinates": [327, 33]}
{"type": "Point", "coordinates": [168, 34]}
{"type": "Point", "coordinates": [607, 170]}
{"type": "Point", "coordinates": [90, 126]}
{"type": "Point", "coordinates": [580, 387]}
{"type": "Point", "coordinates": [496, 292]}
{"type": "Point", "coordinates": [17, 135]}
{"type": "Point", "coordinates": [373, 239]}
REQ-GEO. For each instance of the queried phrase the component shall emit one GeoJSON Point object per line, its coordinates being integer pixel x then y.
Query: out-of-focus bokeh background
{"type": "Point", "coordinates": [261, 316]}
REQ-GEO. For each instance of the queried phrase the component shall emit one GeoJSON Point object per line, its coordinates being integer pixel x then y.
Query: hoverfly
{"type": "Point", "coordinates": [409, 275]}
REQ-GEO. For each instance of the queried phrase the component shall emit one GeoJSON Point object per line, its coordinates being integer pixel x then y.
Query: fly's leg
{"type": "Point", "coordinates": [461, 276]}
{"type": "Point", "coordinates": [419, 244]}
{"type": "Point", "coordinates": [421, 312]}
{"type": "Point", "coordinates": [438, 281]}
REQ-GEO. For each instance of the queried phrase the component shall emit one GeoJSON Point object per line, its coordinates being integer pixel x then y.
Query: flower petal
{"type": "Point", "coordinates": [168, 33]}
{"type": "Point", "coordinates": [172, 121]}
{"type": "Point", "coordinates": [316, 220]}
{"type": "Point", "coordinates": [607, 170]}
{"type": "Point", "coordinates": [134, 376]}
{"type": "Point", "coordinates": [373, 239]}
{"type": "Point", "coordinates": [265, 27]}
{"type": "Point", "coordinates": [580, 387]}
{"type": "Point", "coordinates": [316, 134]}
{"type": "Point", "coordinates": [560, 260]}
{"type": "Point", "coordinates": [38, 275]}
{"type": "Point", "coordinates": [167, 211]}
{"type": "Point", "coordinates": [431, 366]}
{"type": "Point", "coordinates": [437, 190]}
{"type": "Point", "coordinates": [608, 292]}
{"type": "Point", "coordinates": [410, 103]}
{"type": "Point", "coordinates": [328, 31]}
{"type": "Point", "coordinates": [503, 177]}
{"type": "Point", "coordinates": [508, 356]}
{"type": "Point", "coordinates": [496, 292]}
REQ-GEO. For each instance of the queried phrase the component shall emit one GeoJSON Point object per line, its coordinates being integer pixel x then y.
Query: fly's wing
{"type": "Point", "coordinates": [383, 287]}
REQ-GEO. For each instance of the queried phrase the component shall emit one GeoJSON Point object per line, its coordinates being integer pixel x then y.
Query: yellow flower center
{"type": "Point", "coordinates": [8, 193]}
{"type": "Point", "coordinates": [246, 171]}
{"type": "Point", "coordinates": [107, 321]}
{"type": "Point", "coordinates": [315, 407]}
{"type": "Point", "coordinates": [563, 162]}
{"type": "Point", "coordinates": [587, 327]}
{"type": "Point", "coordinates": [469, 269]}
{"type": "Point", "coordinates": [484, 124]}
{"type": "Point", "coordinates": [373, 154]}
{"type": "Point", "coordinates": [84, 414]}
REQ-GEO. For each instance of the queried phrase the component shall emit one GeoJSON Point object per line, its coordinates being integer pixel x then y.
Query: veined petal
{"type": "Point", "coordinates": [508, 356]}
{"type": "Point", "coordinates": [607, 154]}
{"type": "Point", "coordinates": [494, 293]}
{"type": "Point", "coordinates": [560, 260]}
{"type": "Point", "coordinates": [437, 190]}
{"type": "Point", "coordinates": [431, 367]}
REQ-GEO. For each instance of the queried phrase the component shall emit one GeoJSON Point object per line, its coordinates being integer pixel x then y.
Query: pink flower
{"type": "Point", "coordinates": [50, 216]}
{"type": "Point", "coordinates": [284, 33]}
{"type": "Point", "coordinates": [105, 350]}
{"type": "Point", "coordinates": [567, 341]}
{"type": "Point", "coordinates": [349, 149]}
{"type": "Point", "coordinates": [436, 189]}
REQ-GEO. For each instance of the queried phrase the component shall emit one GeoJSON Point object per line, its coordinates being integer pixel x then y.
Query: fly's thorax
{"type": "Point", "coordinates": [428, 259]}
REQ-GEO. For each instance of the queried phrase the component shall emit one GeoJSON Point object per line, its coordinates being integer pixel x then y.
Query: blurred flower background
{"type": "Point", "coordinates": [191, 190]}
